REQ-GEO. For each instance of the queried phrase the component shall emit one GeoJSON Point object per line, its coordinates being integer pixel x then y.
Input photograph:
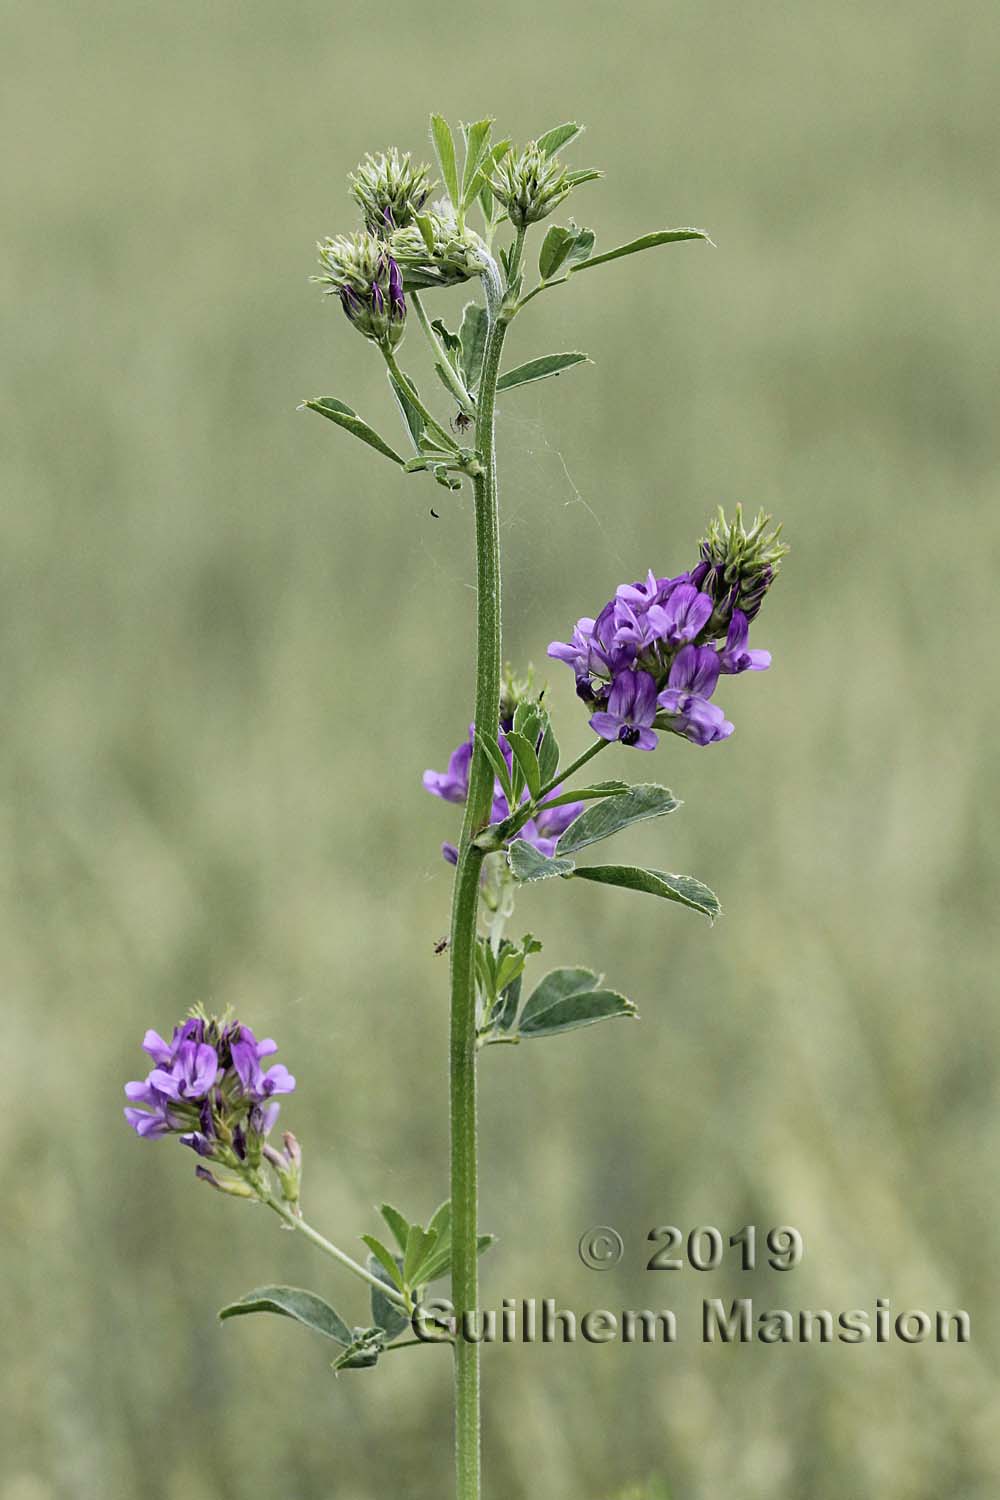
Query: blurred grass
{"type": "Point", "coordinates": [232, 640]}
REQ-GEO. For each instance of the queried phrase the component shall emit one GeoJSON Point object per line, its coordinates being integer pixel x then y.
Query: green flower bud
{"type": "Point", "coordinates": [531, 185]}
{"type": "Point", "coordinates": [367, 279]}
{"type": "Point", "coordinates": [389, 190]}
{"type": "Point", "coordinates": [437, 251]}
{"type": "Point", "coordinates": [738, 565]}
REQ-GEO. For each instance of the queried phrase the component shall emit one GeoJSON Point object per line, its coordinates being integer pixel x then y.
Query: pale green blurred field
{"type": "Point", "coordinates": [232, 640]}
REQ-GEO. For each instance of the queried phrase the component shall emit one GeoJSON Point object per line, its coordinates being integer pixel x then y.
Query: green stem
{"type": "Point", "coordinates": [414, 400]}
{"type": "Point", "coordinates": [572, 769]}
{"type": "Point", "coordinates": [465, 906]}
{"type": "Point", "coordinates": [330, 1249]}
{"type": "Point", "coordinates": [461, 395]}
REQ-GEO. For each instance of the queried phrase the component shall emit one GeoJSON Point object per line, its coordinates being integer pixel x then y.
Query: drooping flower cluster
{"type": "Point", "coordinates": [652, 658]}
{"type": "Point", "coordinates": [208, 1086]}
{"type": "Point", "coordinates": [369, 283]}
{"type": "Point", "coordinates": [452, 785]}
{"type": "Point", "coordinates": [437, 250]}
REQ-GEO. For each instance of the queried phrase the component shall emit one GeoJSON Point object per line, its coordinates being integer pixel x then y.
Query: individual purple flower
{"type": "Point", "coordinates": [576, 651]}
{"type": "Point", "coordinates": [254, 1082]}
{"type": "Point", "coordinates": [452, 785]}
{"type": "Point", "coordinates": [682, 617]}
{"type": "Point", "coordinates": [198, 1142]}
{"type": "Point", "coordinates": [192, 1073]}
{"type": "Point", "coordinates": [630, 712]}
{"type": "Point", "coordinates": [735, 657]}
{"type": "Point", "coordinates": [635, 630]}
{"type": "Point", "coordinates": [163, 1053]}
{"type": "Point", "coordinates": [156, 1119]}
{"type": "Point", "coordinates": [263, 1117]}
{"type": "Point", "coordinates": [694, 674]}
{"type": "Point", "coordinates": [595, 650]}
{"type": "Point", "coordinates": [640, 596]}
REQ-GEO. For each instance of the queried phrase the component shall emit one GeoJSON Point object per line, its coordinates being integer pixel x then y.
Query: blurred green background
{"type": "Point", "coordinates": [233, 639]}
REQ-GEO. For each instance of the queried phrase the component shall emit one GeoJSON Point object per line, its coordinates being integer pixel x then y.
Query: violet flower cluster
{"type": "Point", "coordinates": [210, 1087]}
{"type": "Point", "coordinates": [541, 831]}
{"type": "Point", "coordinates": [652, 658]}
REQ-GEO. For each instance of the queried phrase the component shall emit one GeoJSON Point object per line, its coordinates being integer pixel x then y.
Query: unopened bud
{"type": "Point", "coordinates": [390, 190]}
{"type": "Point", "coordinates": [436, 251]}
{"type": "Point", "coordinates": [738, 565]}
{"type": "Point", "coordinates": [530, 186]}
{"type": "Point", "coordinates": [226, 1185]}
{"type": "Point", "coordinates": [367, 279]}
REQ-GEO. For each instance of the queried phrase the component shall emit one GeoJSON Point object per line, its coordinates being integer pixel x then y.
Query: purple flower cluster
{"type": "Point", "coordinates": [649, 660]}
{"type": "Point", "coordinates": [209, 1087]}
{"type": "Point", "coordinates": [453, 786]}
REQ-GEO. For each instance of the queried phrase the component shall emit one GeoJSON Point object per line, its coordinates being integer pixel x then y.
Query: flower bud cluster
{"type": "Point", "coordinates": [390, 190]}
{"type": "Point", "coordinates": [530, 185]}
{"type": "Point", "coordinates": [649, 660]}
{"type": "Point", "coordinates": [362, 272]}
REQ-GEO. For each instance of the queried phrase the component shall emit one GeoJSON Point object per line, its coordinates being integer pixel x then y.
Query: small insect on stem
{"type": "Point", "coordinates": [461, 423]}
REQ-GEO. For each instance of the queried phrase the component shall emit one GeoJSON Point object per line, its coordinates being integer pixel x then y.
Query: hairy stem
{"type": "Point", "coordinates": [465, 906]}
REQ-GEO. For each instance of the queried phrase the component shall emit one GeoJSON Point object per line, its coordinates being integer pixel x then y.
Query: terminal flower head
{"type": "Point", "coordinates": [738, 565]}
{"type": "Point", "coordinates": [532, 183]}
{"type": "Point", "coordinates": [651, 659]}
{"type": "Point", "coordinates": [390, 190]}
{"type": "Point", "coordinates": [361, 271]}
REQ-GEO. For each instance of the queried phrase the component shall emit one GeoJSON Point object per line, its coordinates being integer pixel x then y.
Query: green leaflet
{"type": "Point", "coordinates": [444, 147]}
{"type": "Point", "coordinates": [337, 411]}
{"type": "Point", "coordinates": [293, 1302]}
{"type": "Point", "coordinates": [411, 416]}
{"type": "Point", "coordinates": [386, 1314]}
{"type": "Point", "coordinates": [420, 1247]}
{"type": "Point", "coordinates": [475, 327]}
{"type": "Point", "coordinates": [527, 760]}
{"type": "Point", "coordinates": [568, 998]}
{"type": "Point", "coordinates": [615, 813]}
{"type": "Point", "coordinates": [386, 1259]}
{"type": "Point", "coordinates": [561, 135]}
{"type": "Point", "coordinates": [400, 1227]}
{"type": "Point", "coordinates": [540, 369]}
{"type": "Point", "coordinates": [645, 242]}
{"type": "Point", "coordinates": [527, 864]}
{"type": "Point", "coordinates": [477, 140]}
{"type": "Point", "coordinates": [682, 888]}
